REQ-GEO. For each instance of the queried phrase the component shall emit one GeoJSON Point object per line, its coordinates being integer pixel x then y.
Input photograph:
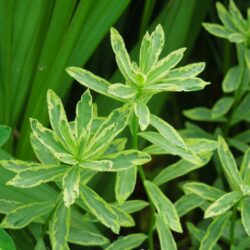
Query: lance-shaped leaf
{"type": "Point", "coordinates": [188, 71]}
{"type": "Point", "coordinates": [245, 214]}
{"type": "Point", "coordinates": [99, 208]}
{"type": "Point", "coordinates": [42, 153]}
{"type": "Point", "coordinates": [71, 181]}
{"type": "Point", "coordinates": [143, 114]}
{"type": "Point", "coordinates": [223, 204]}
{"type": "Point", "coordinates": [131, 241]}
{"type": "Point", "coordinates": [122, 91]}
{"type": "Point", "coordinates": [59, 121]}
{"type": "Point", "coordinates": [164, 206]}
{"type": "Point", "coordinates": [4, 134]}
{"type": "Point", "coordinates": [203, 190]}
{"type": "Point", "coordinates": [25, 214]}
{"type": "Point", "coordinates": [214, 232]}
{"type": "Point", "coordinates": [18, 166]}
{"type": "Point", "coordinates": [222, 106]}
{"type": "Point", "coordinates": [232, 79]}
{"type": "Point", "coordinates": [125, 184]}
{"type": "Point", "coordinates": [187, 203]}
{"type": "Point", "coordinates": [178, 85]}
{"type": "Point", "coordinates": [86, 238]}
{"type": "Point", "coordinates": [163, 66]}
{"type": "Point", "coordinates": [102, 165]}
{"type": "Point", "coordinates": [6, 241]}
{"type": "Point", "coordinates": [225, 17]}
{"type": "Point", "coordinates": [124, 219]}
{"type": "Point", "coordinates": [122, 56]}
{"type": "Point", "coordinates": [59, 227]}
{"type": "Point", "coordinates": [151, 48]}
{"type": "Point", "coordinates": [84, 114]}
{"type": "Point", "coordinates": [89, 80]}
{"type": "Point", "coordinates": [245, 168]}
{"type": "Point", "coordinates": [7, 206]}
{"type": "Point", "coordinates": [38, 175]}
{"type": "Point", "coordinates": [229, 165]}
{"type": "Point", "coordinates": [170, 147]}
{"type": "Point", "coordinates": [51, 142]}
{"type": "Point", "coordinates": [133, 206]}
{"type": "Point", "coordinates": [165, 236]}
{"type": "Point", "coordinates": [217, 30]}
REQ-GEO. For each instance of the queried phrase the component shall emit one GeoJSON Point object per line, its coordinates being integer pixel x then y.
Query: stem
{"type": "Point", "coordinates": [134, 132]}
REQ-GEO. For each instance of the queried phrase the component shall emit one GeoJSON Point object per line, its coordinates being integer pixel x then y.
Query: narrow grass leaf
{"type": "Point", "coordinates": [128, 242]}
{"type": "Point", "coordinates": [223, 204]}
{"type": "Point", "coordinates": [70, 183]}
{"type": "Point", "coordinates": [4, 134]}
{"type": "Point", "coordinates": [6, 242]}
{"type": "Point", "coordinates": [25, 214]}
{"type": "Point", "coordinates": [59, 227]}
{"type": "Point", "coordinates": [164, 206]}
{"type": "Point", "coordinates": [100, 208]}
{"type": "Point", "coordinates": [33, 177]}
{"type": "Point", "coordinates": [228, 164]}
{"type": "Point", "coordinates": [166, 238]}
{"type": "Point", "coordinates": [214, 232]}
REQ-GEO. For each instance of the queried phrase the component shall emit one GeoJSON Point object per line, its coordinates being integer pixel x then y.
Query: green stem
{"type": "Point", "coordinates": [134, 132]}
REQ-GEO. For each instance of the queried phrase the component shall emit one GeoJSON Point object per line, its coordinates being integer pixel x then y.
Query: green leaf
{"type": "Point", "coordinates": [102, 165]}
{"type": "Point", "coordinates": [225, 17]}
{"type": "Point", "coordinates": [178, 84]}
{"type": "Point", "coordinates": [203, 190]}
{"type": "Point", "coordinates": [143, 114]}
{"type": "Point", "coordinates": [99, 208]}
{"type": "Point", "coordinates": [125, 184]}
{"type": "Point", "coordinates": [84, 114]}
{"type": "Point", "coordinates": [18, 166]}
{"type": "Point", "coordinates": [59, 121]}
{"type": "Point", "coordinates": [6, 242]}
{"type": "Point", "coordinates": [133, 206]}
{"type": "Point", "coordinates": [124, 219]}
{"type": "Point", "coordinates": [70, 182]}
{"type": "Point", "coordinates": [122, 56]}
{"type": "Point", "coordinates": [89, 80]}
{"type": "Point", "coordinates": [232, 79]}
{"type": "Point", "coordinates": [164, 206]}
{"type": "Point", "coordinates": [223, 204]}
{"type": "Point", "coordinates": [37, 175]}
{"type": "Point", "coordinates": [166, 238]}
{"type": "Point", "coordinates": [229, 165]}
{"type": "Point", "coordinates": [202, 114]}
{"type": "Point", "coordinates": [86, 238]}
{"type": "Point", "coordinates": [42, 152]}
{"type": "Point", "coordinates": [187, 203]}
{"type": "Point", "coordinates": [7, 206]}
{"type": "Point", "coordinates": [122, 91]}
{"type": "Point", "coordinates": [245, 214]}
{"type": "Point", "coordinates": [151, 49]}
{"type": "Point", "coordinates": [4, 134]}
{"type": "Point", "coordinates": [163, 66]}
{"type": "Point", "coordinates": [245, 168]}
{"type": "Point", "coordinates": [25, 214]}
{"type": "Point", "coordinates": [59, 227]}
{"type": "Point", "coordinates": [222, 106]}
{"type": "Point", "coordinates": [217, 30]}
{"type": "Point", "coordinates": [189, 71]}
{"type": "Point", "coordinates": [214, 232]}
{"type": "Point", "coordinates": [128, 242]}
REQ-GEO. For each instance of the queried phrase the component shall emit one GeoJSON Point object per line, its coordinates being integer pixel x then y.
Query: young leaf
{"type": "Point", "coordinates": [25, 214]}
{"type": "Point", "coordinates": [166, 238]}
{"type": "Point", "coordinates": [59, 227]}
{"type": "Point", "coordinates": [122, 91]}
{"type": "Point", "coordinates": [143, 114]}
{"type": "Point", "coordinates": [102, 165]}
{"type": "Point", "coordinates": [133, 206]}
{"type": "Point", "coordinates": [232, 79]}
{"type": "Point", "coordinates": [4, 134]}
{"type": "Point", "coordinates": [223, 204]}
{"type": "Point", "coordinates": [125, 184]}
{"type": "Point", "coordinates": [164, 206]}
{"type": "Point", "coordinates": [86, 238]}
{"type": "Point", "coordinates": [6, 242]}
{"type": "Point", "coordinates": [222, 106]}
{"type": "Point", "coordinates": [217, 30]}
{"type": "Point", "coordinates": [71, 181]}
{"type": "Point", "coordinates": [228, 164]}
{"type": "Point", "coordinates": [214, 232]}
{"type": "Point", "coordinates": [245, 214]}
{"type": "Point", "coordinates": [100, 208]}
{"type": "Point", "coordinates": [35, 176]}
{"type": "Point", "coordinates": [128, 242]}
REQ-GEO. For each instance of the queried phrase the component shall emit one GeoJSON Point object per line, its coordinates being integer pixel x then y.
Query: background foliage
{"type": "Point", "coordinates": [39, 39]}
